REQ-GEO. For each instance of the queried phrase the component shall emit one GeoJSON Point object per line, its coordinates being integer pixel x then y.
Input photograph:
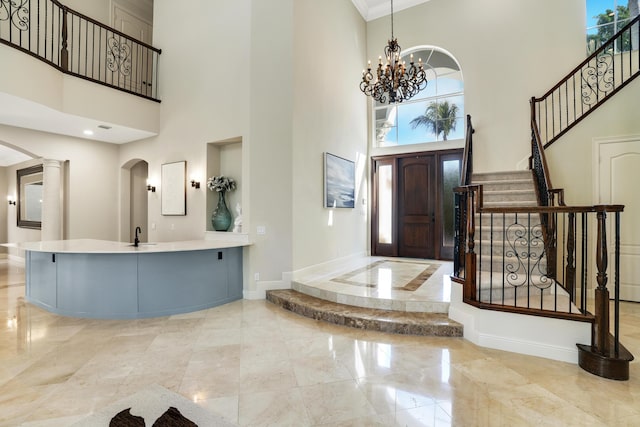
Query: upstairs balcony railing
{"type": "Point", "coordinates": [611, 67]}
{"type": "Point", "coordinates": [81, 46]}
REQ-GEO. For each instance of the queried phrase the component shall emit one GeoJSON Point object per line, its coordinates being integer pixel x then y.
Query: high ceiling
{"type": "Point", "coordinates": [373, 9]}
{"type": "Point", "coordinates": [22, 113]}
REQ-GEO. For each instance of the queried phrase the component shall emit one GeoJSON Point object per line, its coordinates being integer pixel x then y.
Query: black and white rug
{"type": "Point", "coordinates": [154, 406]}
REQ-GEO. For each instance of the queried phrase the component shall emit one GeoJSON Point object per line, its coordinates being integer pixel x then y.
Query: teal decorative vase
{"type": "Point", "coordinates": [221, 218]}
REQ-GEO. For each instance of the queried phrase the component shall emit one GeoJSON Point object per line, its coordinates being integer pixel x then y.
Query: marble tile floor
{"type": "Point", "coordinates": [398, 284]}
{"type": "Point", "coordinates": [256, 364]}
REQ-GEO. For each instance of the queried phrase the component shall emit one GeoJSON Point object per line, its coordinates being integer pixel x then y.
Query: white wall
{"type": "Point", "coordinates": [329, 114]}
{"type": "Point", "coordinates": [271, 138]}
{"type": "Point", "coordinates": [205, 98]}
{"type": "Point", "coordinates": [253, 88]}
{"type": "Point", "coordinates": [509, 51]}
{"type": "Point", "coordinates": [570, 159]}
{"type": "Point", "coordinates": [138, 202]}
{"type": "Point", "coordinates": [91, 191]}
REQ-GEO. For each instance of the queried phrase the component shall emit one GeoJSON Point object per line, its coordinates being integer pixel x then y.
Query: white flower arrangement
{"type": "Point", "coordinates": [221, 183]}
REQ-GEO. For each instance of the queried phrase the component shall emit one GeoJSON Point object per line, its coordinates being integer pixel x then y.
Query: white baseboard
{"type": "Point", "coordinates": [535, 336]}
{"type": "Point", "coordinates": [15, 258]}
{"type": "Point", "coordinates": [289, 276]}
{"type": "Point", "coordinates": [263, 287]}
{"type": "Point", "coordinates": [523, 164]}
{"type": "Point", "coordinates": [531, 348]}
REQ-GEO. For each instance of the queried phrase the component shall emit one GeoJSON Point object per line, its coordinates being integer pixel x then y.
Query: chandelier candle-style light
{"type": "Point", "coordinates": [395, 80]}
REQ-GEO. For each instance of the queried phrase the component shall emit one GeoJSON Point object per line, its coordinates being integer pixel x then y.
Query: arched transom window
{"type": "Point", "coordinates": [434, 114]}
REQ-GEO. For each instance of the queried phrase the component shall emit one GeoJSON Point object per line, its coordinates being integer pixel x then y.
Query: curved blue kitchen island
{"type": "Point", "coordinates": [115, 280]}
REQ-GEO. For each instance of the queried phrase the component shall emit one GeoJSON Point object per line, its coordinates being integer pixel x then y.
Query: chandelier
{"type": "Point", "coordinates": [394, 80]}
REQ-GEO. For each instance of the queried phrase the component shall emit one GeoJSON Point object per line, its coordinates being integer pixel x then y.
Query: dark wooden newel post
{"type": "Point", "coordinates": [601, 326]}
{"type": "Point", "coordinates": [469, 291]}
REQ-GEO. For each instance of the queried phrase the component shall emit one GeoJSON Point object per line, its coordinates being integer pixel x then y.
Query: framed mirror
{"type": "Point", "coordinates": [174, 188]}
{"type": "Point", "coordinates": [30, 192]}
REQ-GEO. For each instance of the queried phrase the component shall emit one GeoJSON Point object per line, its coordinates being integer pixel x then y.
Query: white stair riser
{"type": "Point", "coordinates": [508, 196]}
{"type": "Point", "coordinates": [502, 176]}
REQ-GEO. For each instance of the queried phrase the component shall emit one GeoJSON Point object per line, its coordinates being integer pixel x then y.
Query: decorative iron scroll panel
{"type": "Point", "coordinates": [119, 56]}
{"type": "Point", "coordinates": [597, 79]}
{"type": "Point", "coordinates": [16, 12]}
{"type": "Point", "coordinates": [525, 262]}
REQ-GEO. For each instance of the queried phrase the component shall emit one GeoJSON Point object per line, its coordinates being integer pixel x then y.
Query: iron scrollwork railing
{"type": "Point", "coordinates": [611, 67]}
{"type": "Point", "coordinates": [508, 268]}
{"type": "Point", "coordinates": [81, 46]}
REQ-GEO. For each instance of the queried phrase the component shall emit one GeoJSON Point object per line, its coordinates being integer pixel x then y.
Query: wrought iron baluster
{"type": "Point", "coordinates": [504, 239]}
{"type": "Point", "coordinates": [616, 276]}
{"type": "Point", "coordinates": [64, 54]}
{"type": "Point", "coordinates": [38, 30]}
{"type": "Point", "coordinates": [584, 261]}
{"type": "Point", "coordinates": [490, 258]}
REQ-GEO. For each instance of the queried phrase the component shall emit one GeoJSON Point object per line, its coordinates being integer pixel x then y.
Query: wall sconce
{"type": "Point", "coordinates": [11, 200]}
{"type": "Point", "coordinates": [195, 184]}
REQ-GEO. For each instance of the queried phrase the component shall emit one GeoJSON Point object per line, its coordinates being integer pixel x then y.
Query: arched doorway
{"type": "Point", "coordinates": [134, 200]}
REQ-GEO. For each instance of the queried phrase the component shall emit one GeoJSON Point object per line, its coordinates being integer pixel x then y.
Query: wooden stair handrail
{"type": "Point", "coordinates": [467, 156]}
{"type": "Point", "coordinates": [588, 59]}
{"type": "Point", "coordinates": [607, 83]}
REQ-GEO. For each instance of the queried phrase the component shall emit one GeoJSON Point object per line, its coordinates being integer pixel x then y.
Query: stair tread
{"type": "Point", "coordinates": [511, 203]}
{"type": "Point", "coordinates": [502, 181]}
{"type": "Point", "coordinates": [499, 192]}
{"type": "Point", "coordinates": [401, 322]}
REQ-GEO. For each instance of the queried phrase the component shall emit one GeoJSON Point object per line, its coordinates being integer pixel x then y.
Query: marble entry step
{"type": "Point", "coordinates": [371, 319]}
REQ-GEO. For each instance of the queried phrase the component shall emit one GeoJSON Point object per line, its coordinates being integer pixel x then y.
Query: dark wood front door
{"type": "Point", "coordinates": [412, 206]}
{"type": "Point", "coordinates": [416, 207]}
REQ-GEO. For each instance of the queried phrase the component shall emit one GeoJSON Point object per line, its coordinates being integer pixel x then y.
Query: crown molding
{"type": "Point", "coordinates": [371, 9]}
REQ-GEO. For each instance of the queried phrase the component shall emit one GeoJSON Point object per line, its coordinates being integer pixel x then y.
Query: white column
{"type": "Point", "coordinates": [51, 200]}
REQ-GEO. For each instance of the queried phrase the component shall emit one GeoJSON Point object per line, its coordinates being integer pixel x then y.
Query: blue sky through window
{"type": "Point", "coordinates": [595, 7]}
{"type": "Point", "coordinates": [444, 84]}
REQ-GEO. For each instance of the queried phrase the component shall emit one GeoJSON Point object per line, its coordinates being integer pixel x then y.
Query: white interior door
{"type": "Point", "coordinates": [132, 25]}
{"type": "Point", "coordinates": [618, 177]}
{"type": "Point", "coordinates": [141, 61]}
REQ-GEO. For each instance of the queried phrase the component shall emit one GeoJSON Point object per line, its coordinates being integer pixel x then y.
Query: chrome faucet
{"type": "Point", "coordinates": [136, 241]}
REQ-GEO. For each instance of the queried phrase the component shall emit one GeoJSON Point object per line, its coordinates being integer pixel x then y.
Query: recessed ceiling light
{"type": "Point", "coordinates": [88, 132]}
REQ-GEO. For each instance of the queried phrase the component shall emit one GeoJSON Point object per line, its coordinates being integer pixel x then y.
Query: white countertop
{"type": "Point", "coordinates": [109, 247]}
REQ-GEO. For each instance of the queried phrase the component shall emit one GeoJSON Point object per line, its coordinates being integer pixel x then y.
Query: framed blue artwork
{"type": "Point", "coordinates": [339, 182]}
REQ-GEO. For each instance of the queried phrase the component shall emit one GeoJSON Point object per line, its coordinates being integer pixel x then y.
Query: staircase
{"type": "Point", "coordinates": [523, 255]}
{"type": "Point", "coordinates": [512, 263]}
{"type": "Point", "coordinates": [500, 189]}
